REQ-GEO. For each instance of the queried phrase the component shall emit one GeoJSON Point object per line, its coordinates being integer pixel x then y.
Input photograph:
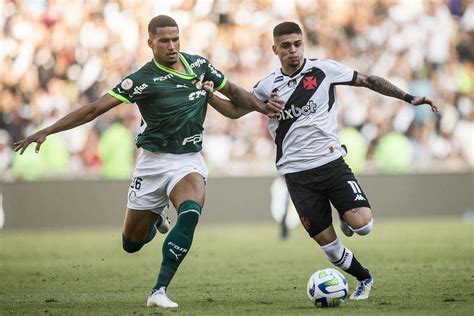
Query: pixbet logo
{"type": "Point", "coordinates": [295, 112]}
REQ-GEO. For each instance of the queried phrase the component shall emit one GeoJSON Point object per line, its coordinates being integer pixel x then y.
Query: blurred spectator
{"type": "Point", "coordinates": [116, 152]}
{"type": "Point", "coordinates": [356, 147]}
{"type": "Point", "coordinates": [394, 153]}
{"type": "Point", "coordinates": [57, 55]}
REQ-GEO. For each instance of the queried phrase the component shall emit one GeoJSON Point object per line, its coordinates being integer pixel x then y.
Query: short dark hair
{"type": "Point", "coordinates": [285, 28]}
{"type": "Point", "coordinates": [160, 21]}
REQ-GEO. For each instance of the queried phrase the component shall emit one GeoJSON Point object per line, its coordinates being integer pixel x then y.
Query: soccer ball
{"type": "Point", "coordinates": [327, 288]}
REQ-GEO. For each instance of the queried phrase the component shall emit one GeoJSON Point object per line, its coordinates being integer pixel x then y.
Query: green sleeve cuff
{"type": "Point", "coordinates": [118, 96]}
{"type": "Point", "coordinates": [222, 84]}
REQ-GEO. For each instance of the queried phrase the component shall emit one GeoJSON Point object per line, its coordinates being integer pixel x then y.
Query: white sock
{"type": "Point", "coordinates": [337, 254]}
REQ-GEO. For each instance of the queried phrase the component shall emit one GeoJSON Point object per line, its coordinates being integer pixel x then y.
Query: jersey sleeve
{"type": "Point", "coordinates": [130, 89]}
{"type": "Point", "coordinates": [338, 73]}
{"type": "Point", "coordinates": [262, 90]}
{"type": "Point", "coordinates": [216, 76]}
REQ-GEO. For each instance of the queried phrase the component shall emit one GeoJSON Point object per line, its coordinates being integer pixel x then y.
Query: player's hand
{"type": "Point", "coordinates": [38, 138]}
{"type": "Point", "coordinates": [208, 86]}
{"type": "Point", "coordinates": [424, 100]}
{"type": "Point", "coordinates": [274, 105]}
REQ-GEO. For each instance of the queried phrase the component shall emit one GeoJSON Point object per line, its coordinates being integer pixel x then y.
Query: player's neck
{"type": "Point", "coordinates": [290, 70]}
{"type": "Point", "coordinates": [177, 65]}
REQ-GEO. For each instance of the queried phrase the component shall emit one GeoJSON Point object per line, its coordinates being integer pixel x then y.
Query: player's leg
{"type": "Point", "coordinates": [353, 207]}
{"type": "Point", "coordinates": [344, 259]}
{"type": "Point", "coordinates": [356, 215]}
{"type": "Point", "coordinates": [187, 197]}
{"type": "Point", "coordinates": [359, 220]}
{"type": "Point", "coordinates": [145, 209]}
{"type": "Point", "coordinates": [138, 229]}
{"type": "Point", "coordinates": [309, 192]}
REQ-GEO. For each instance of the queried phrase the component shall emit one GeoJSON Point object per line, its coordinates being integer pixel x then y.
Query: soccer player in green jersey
{"type": "Point", "coordinates": [170, 96]}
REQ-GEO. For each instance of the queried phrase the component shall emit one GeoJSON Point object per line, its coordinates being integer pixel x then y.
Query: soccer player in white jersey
{"type": "Point", "coordinates": [309, 153]}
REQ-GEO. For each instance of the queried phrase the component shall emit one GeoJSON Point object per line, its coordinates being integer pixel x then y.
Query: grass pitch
{"type": "Point", "coordinates": [420, 267]}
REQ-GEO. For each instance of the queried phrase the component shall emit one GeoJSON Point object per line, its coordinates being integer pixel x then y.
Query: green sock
{"type": "Point", "coordinates": [178, 242]}
{"type": "Point", "coordinates": [131, 247]}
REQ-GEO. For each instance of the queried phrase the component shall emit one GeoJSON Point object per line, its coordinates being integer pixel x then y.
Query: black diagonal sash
{"type": "Point", "coordinates": [298, 99]}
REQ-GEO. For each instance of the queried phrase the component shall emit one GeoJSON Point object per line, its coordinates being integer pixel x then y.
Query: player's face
{"type": "Point", "coordinates": [165, 45]}
{"type": "Point", "coordinates": [290, 50]}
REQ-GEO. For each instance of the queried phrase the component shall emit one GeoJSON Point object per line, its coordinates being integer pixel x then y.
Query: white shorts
{"type": "Point", "coordinates": [155, 176]}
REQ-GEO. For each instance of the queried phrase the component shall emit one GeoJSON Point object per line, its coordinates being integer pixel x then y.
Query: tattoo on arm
{"type": "Point", "coordinates": [380, 85]}
{"type": "Point", "coordinates": [242, 98]}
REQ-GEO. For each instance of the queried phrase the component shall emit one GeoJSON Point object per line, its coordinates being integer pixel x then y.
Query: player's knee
{"type": "Point", "coordinates": [364, 229]}
{"type": "Point", "coordinates": [130, 246]}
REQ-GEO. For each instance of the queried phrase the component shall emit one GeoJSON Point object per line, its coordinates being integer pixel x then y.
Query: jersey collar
{"type": "Point", "coordinates": [296, 72]}
{"type": "Point", "coordinates": [190, 74]}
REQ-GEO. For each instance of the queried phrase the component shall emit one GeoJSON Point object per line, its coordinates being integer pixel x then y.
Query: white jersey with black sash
{"type": "Point", "coordinates": [305, 132]}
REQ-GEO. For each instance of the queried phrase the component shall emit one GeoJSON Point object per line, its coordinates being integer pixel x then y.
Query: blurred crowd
{"type": "Point", "coordinates": [57, 55]}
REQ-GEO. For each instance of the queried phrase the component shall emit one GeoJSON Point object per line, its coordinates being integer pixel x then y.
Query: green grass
{"type": "Point", "coordinates": [420, 268]}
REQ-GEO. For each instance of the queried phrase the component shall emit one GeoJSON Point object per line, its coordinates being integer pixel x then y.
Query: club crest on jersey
{"type": "Point", "coordinates": [295, 111]}
{"type": "Point", "coordinates": [127, 84]}
{"type": "Point", "coordinates": [309, 82]}
{"type": "Point", "coordinates": [198, 82]}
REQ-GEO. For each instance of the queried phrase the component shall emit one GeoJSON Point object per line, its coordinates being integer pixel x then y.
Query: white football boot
{"type": "Point", "coordinates": [164, 227]}
{"type": "Point", "coordinates": [346, 230]}
{"type": "Point", "coordinates": [362, 289]}
{"type": "Point", "coordinates": [158, 298]}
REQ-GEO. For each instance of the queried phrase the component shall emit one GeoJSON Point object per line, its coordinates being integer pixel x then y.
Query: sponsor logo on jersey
{"type": "Point", "coordinates": [295, 112]}
{"type": "Point", "coordinates": [192, 139]}
{"type": "Point", "coordinates": [138, 90]}
{"type": "Point", "coordinates": [359, 198]}
{"type": "Point", "coordinates": [198, 63]}
{"type": "Point", "coordinates": [163, 78]}
{"type": "Point", "coordinates": [181, 86]}
{"type": "Point", "coordinates": [194, 95]}
{"type": "Point", "coordinates": [214, 71]}
{"type": "Point", "coordinates": [291, 83]}
{"type": "Point", "coordinates": [127, 84]}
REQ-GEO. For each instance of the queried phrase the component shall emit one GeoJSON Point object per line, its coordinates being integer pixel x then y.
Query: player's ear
{"type": "Point", "coordinates": [274, 49]}
{"type": "Point", "coordinates": [150, 43]}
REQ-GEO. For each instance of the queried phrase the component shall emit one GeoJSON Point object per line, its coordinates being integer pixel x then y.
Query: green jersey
{"type": "Point", "coordinates": [172, 104]}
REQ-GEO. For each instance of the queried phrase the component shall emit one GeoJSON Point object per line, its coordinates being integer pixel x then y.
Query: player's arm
{"type": "Point", "coordinates": [80, 116]}
{"type": "Point", "coordinates": [239, 97]}
{"type": "Point", "coordinates": [227, 108]}
{"type": "Point", "coordinates": [230, 110]}
{"type": "Point", "coordinates": [385, 87]}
